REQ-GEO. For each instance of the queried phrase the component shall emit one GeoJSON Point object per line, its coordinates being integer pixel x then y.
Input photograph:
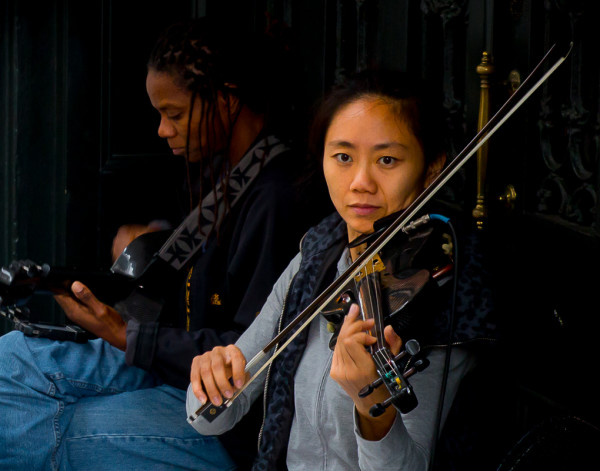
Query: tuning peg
{"type": "Point", "coordinates": [405, 401]}
{"type": "Point", "coordinates": [412, 347]}
{"type": "Point", "coordinates": [379, 408]}
{"type": "Point", "coordinates": [33, 269]}
{"type": "Point", "coordinates": [12, 311]}
{"type": "Point", "coordinates": [369, 388]}
{"type": "Point", "coordinates": [419, 366]}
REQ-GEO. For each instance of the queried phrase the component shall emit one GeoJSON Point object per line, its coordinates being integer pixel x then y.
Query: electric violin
{"type": "Point", "coordinates": [405, 221]}
{"type": "Point", "coordinates": [400, 286]}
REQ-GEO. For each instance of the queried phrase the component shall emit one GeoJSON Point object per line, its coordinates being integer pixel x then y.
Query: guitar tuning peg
{"type": "Point", "coordinates": [6, 276]}
{"type": "Point", "coordinates": [33, 270]}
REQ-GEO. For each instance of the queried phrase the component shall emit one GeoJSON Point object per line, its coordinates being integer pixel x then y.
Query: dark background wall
{"type": "Point", "coordinates": [79, 154]}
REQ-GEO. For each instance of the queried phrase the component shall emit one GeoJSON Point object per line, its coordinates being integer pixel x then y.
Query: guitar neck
{"type": "Point", "coordinates": [54, 280]}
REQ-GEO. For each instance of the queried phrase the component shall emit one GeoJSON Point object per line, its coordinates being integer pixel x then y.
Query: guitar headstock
{"type": "Point", "coordinates": [19, 280]}
{"type": "Point", "coordinates": [12, 312]}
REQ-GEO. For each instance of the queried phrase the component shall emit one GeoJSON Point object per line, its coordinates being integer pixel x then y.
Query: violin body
{"type": "Point", "coordinates": [413, 279]}
{"type": "Point", "coordinates": [400, 286]}
{"type": "Point", "coordinates": [416, 270]}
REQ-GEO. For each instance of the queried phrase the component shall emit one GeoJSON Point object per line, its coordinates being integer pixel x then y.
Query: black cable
{"type": "Point", "coordinates": [450, 338]}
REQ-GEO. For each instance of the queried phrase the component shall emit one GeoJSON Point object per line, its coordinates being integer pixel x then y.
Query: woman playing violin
{"type": "Point", "coordinates": [380, 145]}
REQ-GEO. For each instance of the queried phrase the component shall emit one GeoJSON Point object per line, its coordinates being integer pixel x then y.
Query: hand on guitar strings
{"type": "Point", "coordinates": [83, 308]}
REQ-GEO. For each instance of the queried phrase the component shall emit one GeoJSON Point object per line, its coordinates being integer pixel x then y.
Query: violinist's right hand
{"type": "Point", "coordinates": [211, 373]}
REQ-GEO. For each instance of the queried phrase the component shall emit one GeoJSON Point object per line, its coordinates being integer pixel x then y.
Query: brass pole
{"type": "Point", "coordinates": [485, 69]}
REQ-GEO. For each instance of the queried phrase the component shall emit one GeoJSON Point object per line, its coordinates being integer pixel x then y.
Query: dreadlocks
{"type": "Point", "coordinates": [212, 61]}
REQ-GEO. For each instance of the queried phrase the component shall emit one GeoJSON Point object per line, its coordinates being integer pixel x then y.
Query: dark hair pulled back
{"type": "Point", "coordinates": [419, 106]}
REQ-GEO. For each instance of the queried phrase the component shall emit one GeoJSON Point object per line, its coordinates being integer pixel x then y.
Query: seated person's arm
{"type": "Point", "coordinates": [256, 337]}
{"type": "Point", "coordinates": [265, 239]}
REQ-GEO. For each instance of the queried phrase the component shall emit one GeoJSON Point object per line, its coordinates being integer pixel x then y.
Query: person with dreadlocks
{"type": "Point", "coordinates": [120, 398]}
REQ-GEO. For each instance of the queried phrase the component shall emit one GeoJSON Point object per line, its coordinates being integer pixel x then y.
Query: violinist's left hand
{"type": "Point", "coordinates": [353, 368]}
{"type": "Point", "coordinates": [83, 308]}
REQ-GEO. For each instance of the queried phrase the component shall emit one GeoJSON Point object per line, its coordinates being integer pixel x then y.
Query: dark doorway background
{"type": "Point", "coordinates": [79, 156]}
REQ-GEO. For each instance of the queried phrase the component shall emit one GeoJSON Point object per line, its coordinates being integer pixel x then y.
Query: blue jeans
{"type": "Point", "coordinates": [65, 405]}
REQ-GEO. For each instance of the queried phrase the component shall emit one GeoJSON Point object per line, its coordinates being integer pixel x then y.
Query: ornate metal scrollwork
{"type": "Point", "coordinates": [552, 195]}
{"type": "Point", "coordinates": [582, 204]}
{"type": "Point", "coordinates": [569, 138]}
{"type": "Point", "coordinates": [551, 131]}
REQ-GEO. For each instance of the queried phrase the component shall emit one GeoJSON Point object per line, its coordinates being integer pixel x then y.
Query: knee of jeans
{"type": "Point", "coordinates": [16, 355]}
{"type": "Point", "coordinates": [10, 343]}
{"type": "Point", "coordinates": [129, 451]}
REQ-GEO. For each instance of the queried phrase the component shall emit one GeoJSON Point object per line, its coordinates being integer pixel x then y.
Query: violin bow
{"type": "Point", "coordinates": [209, 411]}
